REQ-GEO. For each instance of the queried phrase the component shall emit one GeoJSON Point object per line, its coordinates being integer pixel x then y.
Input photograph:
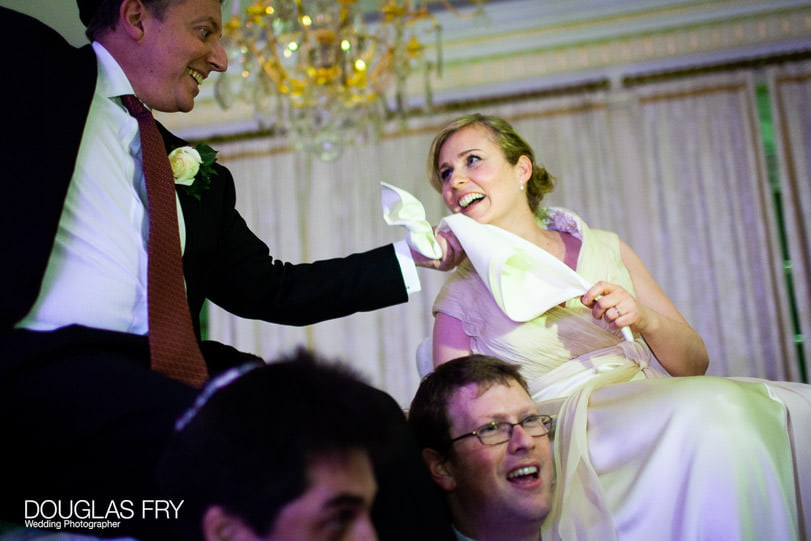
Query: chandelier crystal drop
{"type": "Point", "coordinates": [319, 70]}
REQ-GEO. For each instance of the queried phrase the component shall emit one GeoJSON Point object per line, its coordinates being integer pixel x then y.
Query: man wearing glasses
{"type": "Point", "coordinates": [486, 447]}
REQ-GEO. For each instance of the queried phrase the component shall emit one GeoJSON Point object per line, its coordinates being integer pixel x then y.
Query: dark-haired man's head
{"type": "Point", "coordinates": [279, 450]}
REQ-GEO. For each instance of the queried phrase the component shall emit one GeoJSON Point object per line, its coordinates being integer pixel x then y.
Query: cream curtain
{"type": "Point", "coordinates": [707, 229]}
{"type": "Point", "coordinates": [790, 88]}
{"type": "Point", "coordinates": [675, 168]}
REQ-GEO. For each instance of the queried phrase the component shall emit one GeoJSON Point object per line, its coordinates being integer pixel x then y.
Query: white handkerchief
{"type": "Point", "coordinates": [402, 208]}
{"type": "Point", "coordinates": [524, 279]}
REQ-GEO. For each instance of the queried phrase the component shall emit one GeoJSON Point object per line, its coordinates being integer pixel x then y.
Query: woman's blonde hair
{"type": "Point", "coordinates": [512, 145]}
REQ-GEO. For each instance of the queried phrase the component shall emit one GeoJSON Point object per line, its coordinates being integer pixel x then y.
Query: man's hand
{"type": "Point", "coordinates": [452, 253]}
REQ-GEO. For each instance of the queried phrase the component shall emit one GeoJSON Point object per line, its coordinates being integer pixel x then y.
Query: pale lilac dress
{"type": "Point", "coordinates": [641, 455]}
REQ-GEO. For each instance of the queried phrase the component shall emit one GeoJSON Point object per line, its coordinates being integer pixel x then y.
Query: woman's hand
{"type": "Point", "coordinates": [677, 346]}
{"type": "Point", "coordinates": [615, 305]}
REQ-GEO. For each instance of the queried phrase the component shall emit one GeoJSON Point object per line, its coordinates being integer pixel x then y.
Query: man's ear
{"type": "Point", "coordinates": [441, 470]}
{"type": "Point", "coordinates": [131, 15]}
{"type": "Point", "coordinates": [220, 525]}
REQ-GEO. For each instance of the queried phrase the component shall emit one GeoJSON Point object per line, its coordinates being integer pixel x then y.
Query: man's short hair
{"type": "Point", "coordinates": [428, 413]}
{"type": "Point", "coordinates": [247, 446]}
{"type": "Point", "coordinates": [99, 16]}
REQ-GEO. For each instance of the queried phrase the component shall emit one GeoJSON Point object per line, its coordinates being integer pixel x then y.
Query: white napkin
{"type": "Point", "coordinates": [402, 208]}
{"type": "Point", "coordinates": [524, 279]}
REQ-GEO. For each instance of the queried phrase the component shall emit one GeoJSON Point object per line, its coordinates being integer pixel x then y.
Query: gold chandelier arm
{"type": "Point", "coordinates": [450, 7]}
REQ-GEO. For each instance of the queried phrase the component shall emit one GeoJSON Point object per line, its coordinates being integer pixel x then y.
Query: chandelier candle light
{"type": "Point", "coordinates": [318, 70]}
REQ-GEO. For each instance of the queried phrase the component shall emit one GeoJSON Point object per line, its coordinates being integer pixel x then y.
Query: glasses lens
{"type": "Point", "coordinates": [494, 433]}
{"type": "Point", "coordinates": [536, 425]}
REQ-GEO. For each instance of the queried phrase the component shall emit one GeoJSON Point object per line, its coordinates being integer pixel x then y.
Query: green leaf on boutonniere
{"type": "Point", "coordinates": [208, 154]}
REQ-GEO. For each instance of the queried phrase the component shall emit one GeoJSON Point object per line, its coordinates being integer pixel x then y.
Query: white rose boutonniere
{"type": "Point", "coordinates": [185, 163]}
{"type": "Point", "coordinates": [192, 167]}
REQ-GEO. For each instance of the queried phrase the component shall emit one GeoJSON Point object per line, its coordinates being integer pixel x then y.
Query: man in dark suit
{"type": "Point", "coordinates": [82, 415]}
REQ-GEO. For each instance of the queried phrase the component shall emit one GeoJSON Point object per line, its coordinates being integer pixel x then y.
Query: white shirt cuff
{"type": "Point", "coordinates": [407, 267]}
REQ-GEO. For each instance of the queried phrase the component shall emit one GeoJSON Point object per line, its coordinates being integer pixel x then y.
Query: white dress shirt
{"type": "Point", "coordinates": [96, 273]}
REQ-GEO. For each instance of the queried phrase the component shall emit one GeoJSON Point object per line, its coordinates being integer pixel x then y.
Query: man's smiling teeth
{"type": "Point", "coordinates": [196, 74]}
{"type": "Point", "coordinates": [470, 198]}
{"type": "Point", "coordinates": [521, 472]}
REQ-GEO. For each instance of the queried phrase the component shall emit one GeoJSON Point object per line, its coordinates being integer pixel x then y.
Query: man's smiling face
{"type": "Point", "coordinates": [177, 52]}
{"type": "Point", "coordinates": [510, 481]}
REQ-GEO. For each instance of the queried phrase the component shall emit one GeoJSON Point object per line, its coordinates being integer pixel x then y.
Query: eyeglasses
{"type": "Point", "coordinates": [500, 432]}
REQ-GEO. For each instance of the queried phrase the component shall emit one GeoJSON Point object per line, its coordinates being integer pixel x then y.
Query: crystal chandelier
{"type": "Point", "coordinates": [318, 70]}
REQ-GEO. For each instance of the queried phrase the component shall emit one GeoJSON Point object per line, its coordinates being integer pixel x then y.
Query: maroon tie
{"type": "Point", "coordinates": [173, 346]}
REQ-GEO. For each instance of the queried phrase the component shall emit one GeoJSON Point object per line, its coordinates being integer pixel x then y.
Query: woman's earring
{"type": "Point", "coordinates": [521, 186]}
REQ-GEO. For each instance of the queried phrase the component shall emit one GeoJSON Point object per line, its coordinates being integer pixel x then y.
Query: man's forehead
{"type": "Point", "coordinates": [474, 391]}
{"type": "Point", "coordinates": [493, 399]}
{"type": "Point", "coordinates": [350, 471]}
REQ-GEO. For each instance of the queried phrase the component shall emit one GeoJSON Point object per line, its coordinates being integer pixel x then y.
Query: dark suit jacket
{"type": "Point", "coordinates": [47, 98]}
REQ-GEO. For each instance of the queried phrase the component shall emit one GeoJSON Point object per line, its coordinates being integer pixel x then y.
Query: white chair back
{"type": "Point", "coordinates": [425, 357]}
